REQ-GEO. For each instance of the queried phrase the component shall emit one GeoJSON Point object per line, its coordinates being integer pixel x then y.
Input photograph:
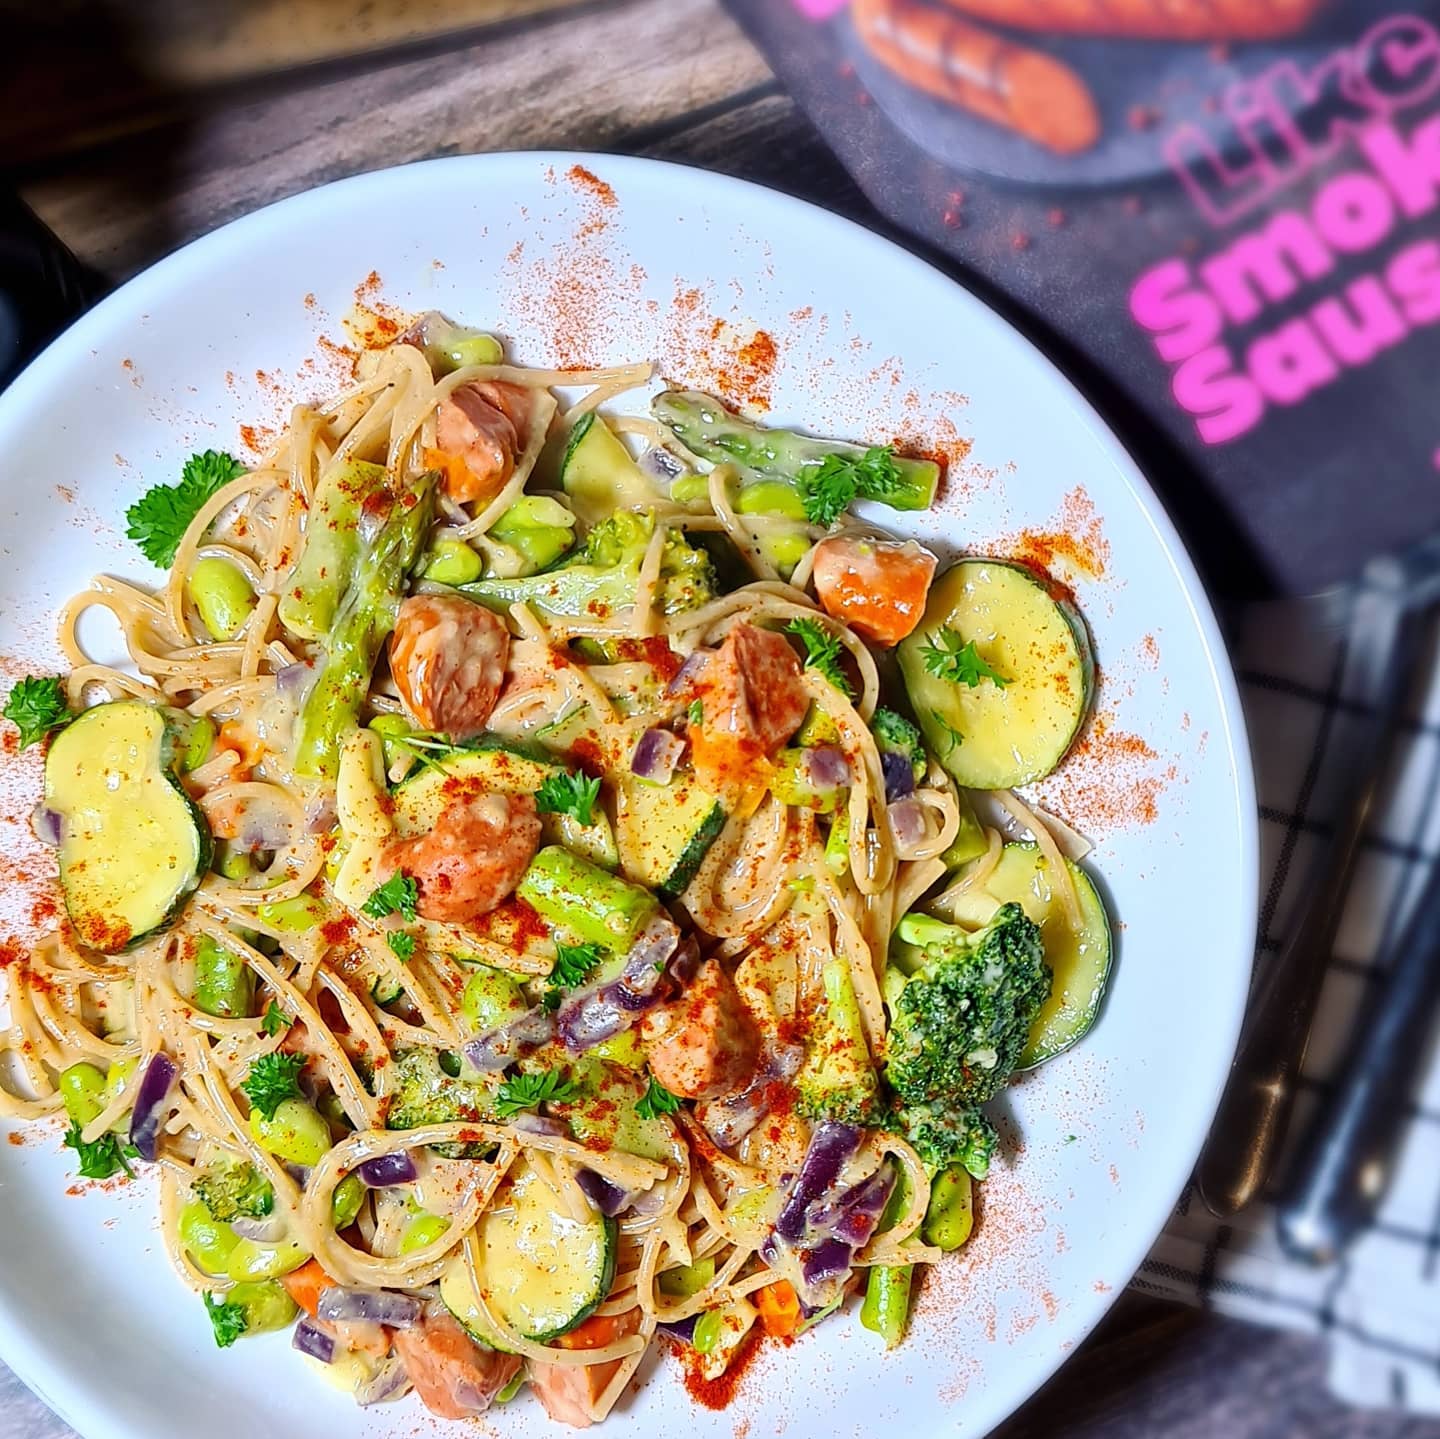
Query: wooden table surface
{"type": "Point", "coordinates": [160, 162]}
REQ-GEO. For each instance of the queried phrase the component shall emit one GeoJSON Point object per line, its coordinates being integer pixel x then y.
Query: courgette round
{"type": "Point", "coordinates": [133, 845]}
{"type": "Point", "coordinates": [546, 1271]}
{"type": "Point", "coordinates": [1081, 961]}
{"type": "Point", "coordinates": [993, 735]}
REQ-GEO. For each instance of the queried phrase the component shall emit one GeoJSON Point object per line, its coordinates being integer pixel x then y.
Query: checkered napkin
{"type": "Point", "coordinates": [1381, 1306]}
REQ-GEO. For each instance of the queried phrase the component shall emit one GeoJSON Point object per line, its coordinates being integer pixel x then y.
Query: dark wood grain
{"type": "Point", "coordinates": [671, 78]}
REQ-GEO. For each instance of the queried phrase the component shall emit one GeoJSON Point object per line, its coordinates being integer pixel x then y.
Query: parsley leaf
{"type": "Point", "coordinates": [696, 713]}
{"type": "Point", "coordinates": [828, 488]}
{"type": "Point", "coordinates": [159, 518]}
{"type": "Point", "coordinates": [35, 706]}
{"type": "Point", "coordinates": [398, 895]}
{"type": "Point", "coordinates": [273, 1079]}
{"type": "Point", "coordinates": [403, 944]}
{"type": "Point", "coordinates": [525, 1091]}
{"type": "Point", "coordinates": [822, 652]}
{"type": "Point", "coordinates": [953, 734]}
{"type": "Point", "coordinates": [948, 657]}
{"type": "Point", "coordinates": [573, 962]}
{"type": "Point", "coordinates": [656, 1100]}
{"type": "Point", "coordinates": [103, 1157]}
{"type": "Point", "coordinates": [227, 1320]}
{"type": "Point", "coordinates": [568, 792]}
{"type": "Point", "coordinates": [275, 1020]}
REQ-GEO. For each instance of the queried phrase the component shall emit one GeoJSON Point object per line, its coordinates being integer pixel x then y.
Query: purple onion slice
{"type": "Point", "coordinates": [826, 768]}
{"type": "Point", "coordinates": [907, 820]}
{"type": "Point", "coordinates": [657, 753]}
{"type": "Point", "coordinates": [151, 1102]}
{"type": "Point", "coordinates": [498, 1048]}
{"type": "Point", "coordinates": [388, 1383]}
{"type": "Point", "coordinates": [269, 1230]}
{"type": "Point", "coordinates": [310, 1339]}
{"type": "Point", "coordinates": [388, 1169]}
{"type": "Point", "coordinates": [899, 776]}
{"type": "Point", "coordinates": [371, 1306]}
{"type": "Point", "coordinates": [608, 1198]}
{"type": "Point", "coordinates": [830, 1146]}
{"type": "Point", "coordinates": [681, 1329]}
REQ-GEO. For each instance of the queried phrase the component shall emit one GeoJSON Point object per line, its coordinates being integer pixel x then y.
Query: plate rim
{"type": "Point", "coordinates": [62, 1386]}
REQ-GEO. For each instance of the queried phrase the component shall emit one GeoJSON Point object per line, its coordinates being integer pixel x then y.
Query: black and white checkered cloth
{"type": "Point", "coordinates": [1381, 1306]}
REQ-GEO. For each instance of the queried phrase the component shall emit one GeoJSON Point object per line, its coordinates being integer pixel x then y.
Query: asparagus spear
{"type": "Point", "coordinates": [332, 548]}
{"type": "Point", "coordinates": [363, 619]}
{"type": "Point", "coordinates": [714, 433]}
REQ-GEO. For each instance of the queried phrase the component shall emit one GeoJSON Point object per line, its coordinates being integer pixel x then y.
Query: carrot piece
{"type": "Point", "coordinates": [878, 587]}
{"type": "Point", "coordinates": [243, 740]}
{"type": "Point", "coordinates": [596, 1332]}
{"type": "Point", "coordinates": [779, 1307]}
{"type": "Point", "coordinates": [306, 1284]}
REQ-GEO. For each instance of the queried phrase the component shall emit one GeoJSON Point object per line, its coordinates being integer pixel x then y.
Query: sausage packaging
{"type": "Point", "coordinates": [1221, 216]}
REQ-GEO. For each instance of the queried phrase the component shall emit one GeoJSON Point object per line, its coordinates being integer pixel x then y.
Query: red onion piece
{"type": "Point", "coordinates": [47, 825]}
{"type": "Point", "coordinates": [657, 753]}
{"type": "Point", "coordinates": [532, 1123]}
{"type": "Point", "coordinates": [152, 1102]}
{"type": "Point", "coordinates": [269, 1230]}
{"type": "Point", "coordinates": [608, 1198]}
{"type": "Point", "coordinates": [598, 1013]}
{"type": "Point", "coordinates": [826, 768]}
{"type": "Point", "coordinates": [389, 1382]}
{"type": "Point", "coordinates": [291, 680]}
{"type": "Point", "coordinates": [497, 1048]}
{"type": "Point", "coordinates": [388, 1169]}
{"type": "Point", "coordinates": [371, 1306]}
{"type": "Point", "coordinates": [687, 674]}
{"type": "Point", "coordinates": [681, 1329]}
{"type": "Point", "coordinates": [310, 1339]}
{"type": "Point", "coordinates": [899, 776]}
{"type": "Point", "coordinates": [830, 1146]}
{"type": "Point", "coordinates": [662, 464]}
{"type": "Point", "coordinates": [907, 820]}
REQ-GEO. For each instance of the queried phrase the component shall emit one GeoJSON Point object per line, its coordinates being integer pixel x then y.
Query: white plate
{"type": "Point", "coordinates": [871, 343]}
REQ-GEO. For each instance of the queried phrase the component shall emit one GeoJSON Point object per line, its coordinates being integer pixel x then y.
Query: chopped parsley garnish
{"type": "Point", "coordinates": [828, 488]}
{"type": "Point", "coordinates": [822, 652]}
{"type": "Point", "coordinates": [35, 706]}
{"type": "Point", "coordinates": [402, 942]}
{"type": "Point", "coordinates": [157, 521]}
{"type": "Point", "coordinates": [398, 895]}
{"type": "Point", "coordinates": [951, 733]}
{"type": "Point", "coordinates": [525, 1091]}
{"type": "Point", "coordinates": [948, 657]}
{"type": "Point", "coordinates": [273, 1079]}
{"type": "Point", "coordinates": [274, 1020]}
{"type": "Point", "coordinates": [573, 963]}
{"type": "Point", "coordinates": [656, 1100]}
{"type": "Point", "coordinates": [569, 792]}
{"type": "Point", "coordinates": [102, 1158]}
{"type": "Point", "coordinates": [696, 713]}
{"type": "Point", "coordinates": [227, 1320]}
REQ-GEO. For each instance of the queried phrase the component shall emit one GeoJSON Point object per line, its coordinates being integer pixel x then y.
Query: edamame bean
{"type": "Point", "coordinates": [231, 863]}
{"type": "Point", "coordinates": [688, 1280]}
{"type": "Point", "coordinates": [709, 1330]}
{"type": "Point", "coordinates": [223, 596]}
{"type": "Point", "coordinates": [224, 983]}
{"type": "Point", "coordinates": [199, 741]}
{"type": "Point", "coordinates": [690, 489]}
{"type": "Point", "coordinates": [950, 1215]}
{"type": "Point", "coordinates": [345, 1202]}
{"type": "Point", "coordinates": [473, 349]}
{"type": "Point", "coordinates": [118, 1076]}
{"type": "Point", "coordinates": [452, 562]}
{"type": "Point", "coordinates": [295, 915]}
{"type": "Point", "coordinates": [82, 1091]}
{"type": "Point", "coordinates": [208, 1242]}
{"type": "Point", "coordinates": [490, 998]}
{"type": "Point", "coordinates": [422, 1230]}
{"type": "Point", "coordinates": [267, 1305]}
{"type": "Point", "coordinates": [250, 1260]}
{"type": "Point", "coordinates": [771, 497]}
{"type": "Point", "coordinates": [295, 1133]}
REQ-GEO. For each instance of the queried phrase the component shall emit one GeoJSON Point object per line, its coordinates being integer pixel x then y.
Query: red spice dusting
{"type": "Point", "coordinates": [1142, 117]}
{"type": "Point", "coordinates": [588, 755]}
{"type": "Point", "coordinates": [653, 650]}
{"type": "Point", "coordinates": [65, 493]}
{"type": "Point", "coordinates": [10, 742]}
{"type": "Point", "coordinates": [12, 952]}
{"type": "Point", "coordinates": [337, 930]}
{"type": "Point", "coordinates": [1055, 217]}
{"type": "Point", "coordinates": [1110, 780]}
{"type": "Point", "coordinates": [585, 179]}
{"type": "Point", "coordinates": [1075, 542]}
{"type": "Point", "coordinates": [1150, 651]}
{"type": "Point", "coordinates": [16, 1139]}
{"type": "Point", "coordinates": [257, 438]}
{"type": "Point", "coordinates": [717, 1393]}
{"type": "Point", "coordinates": [43, 911]}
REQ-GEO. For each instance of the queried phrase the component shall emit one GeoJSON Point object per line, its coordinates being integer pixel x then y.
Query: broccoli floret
{"type": "Point", "coordinates": [944, 1138]}
{"type": "Point", "coordinates": [230, 1191]}
{"type": "Point", "coordinates": [961, 1020]}
{"type": "Point", "coordinates": [604, 575]}
{"type": "Point", "coordinates": [894, 734]}
{"type": "Point", "coordinates": [837, 1080]}
{"type": "Point", "coordinates": [420, 1092]}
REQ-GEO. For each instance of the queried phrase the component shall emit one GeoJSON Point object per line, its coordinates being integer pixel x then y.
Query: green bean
{"type": "Point", "coordinates": [452, 562]}
{"type": "Point", "coordinates": [222, 594]}
{"type": "Point", "coordinates": [345, 1202]}
{"type": "Point", "coordinates": [82, 1092]}
{"type": "Point", "coordinates": [951, 1213]}
{"type": "Point", "coordinates": [251, 1260]}
{"type": "Point", "coordinates": [208, 1242]}
{"type": "Point", "coordinates": [771, 497]}
{"type": "Point", "coordinates": [690, 489]}
{"type": "Point", "coordinates": [199, 741]}
{"type": "Point", "coordinates": [688, 1280]}
{"type": "Point", "coordinates": [267, 1305]}
{"type": "Point", "coordinates": [886, 1310]}
{"type": "Point", "coordinates": [422, 1230]}
{"type": "Point", "coordinates": [392, 729]}
{"type": "Point", "coordinates": [573, 894]}
{"type": "Point", "coordinates": [295, 915]}
{"type": "Point", "coordinates": [224, 983]}
{"type": "Point", "coordinates": [490, 998]}
{"type": "Point", "coordinates": [295, 1133]}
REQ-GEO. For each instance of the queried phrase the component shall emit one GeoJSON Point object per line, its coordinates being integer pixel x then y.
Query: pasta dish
{"type": "Point", "coordinates": [548, 880]}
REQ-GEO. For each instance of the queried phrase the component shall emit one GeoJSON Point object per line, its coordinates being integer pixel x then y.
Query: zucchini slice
{"type": "Point", "coordinates": [133, 845]}
{"type": "Point", "coordinates": [546, 1271]}
{"type": "Point", "coordinates": [993, 736]}
{"type": "Point", "coordinates": [598, 474]}
{"type": "Point", "coordinates": [664, 831]}
{"type": "Point", "coordinates": [604, 1116]}
{"type": "Point", "coordinates": [1081, 961]}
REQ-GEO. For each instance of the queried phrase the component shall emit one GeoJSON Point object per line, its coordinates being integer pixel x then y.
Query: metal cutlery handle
{"type": "Point", "coordinates": [1254, 1110]}
{"type": "Point", "coordinates": [1344, 1168]}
